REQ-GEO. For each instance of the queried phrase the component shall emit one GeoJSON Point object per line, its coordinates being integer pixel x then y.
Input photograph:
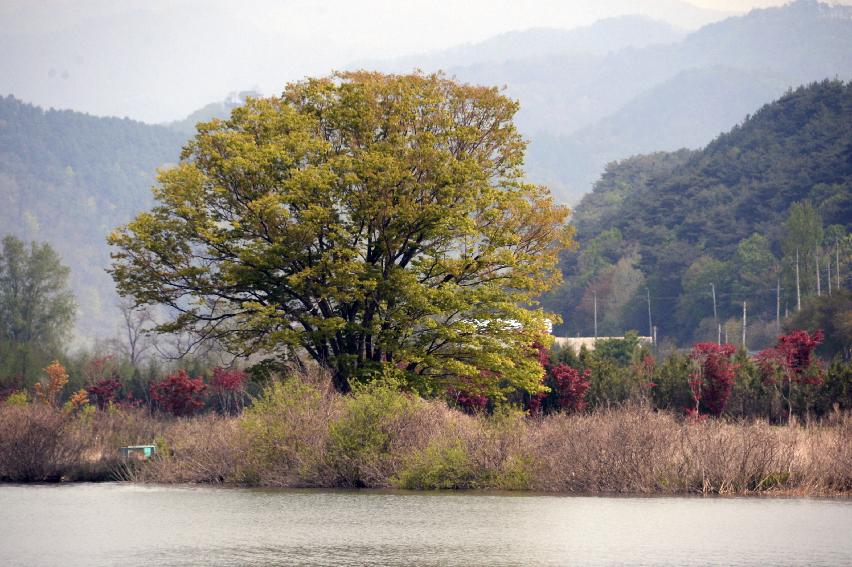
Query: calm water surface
{"type": "Point", "coordinates": [121, 524]}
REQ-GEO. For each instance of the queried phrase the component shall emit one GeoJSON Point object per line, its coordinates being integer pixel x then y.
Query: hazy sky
{"type": "Point", "coordinates": [158, 60]}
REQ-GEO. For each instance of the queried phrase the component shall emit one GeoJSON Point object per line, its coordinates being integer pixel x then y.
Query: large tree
{"type": "Point", "coordinates": [376, 222]}
{"type": "Point", "coordinates": [36, 307]}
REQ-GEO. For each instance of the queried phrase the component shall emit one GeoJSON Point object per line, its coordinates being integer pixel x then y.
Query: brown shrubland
{"type": "Point", "coordinates": [302, 433]}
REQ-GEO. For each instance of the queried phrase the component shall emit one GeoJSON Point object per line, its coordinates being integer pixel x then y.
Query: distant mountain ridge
{"type": "Point", "coordinates": [602, 37]}
{"type": "Point", "coordinates": [684, 111]}
{"type": "Point", "coordinates": [569, 98]}
{"type": "Point", "coordinates": [632, 85]}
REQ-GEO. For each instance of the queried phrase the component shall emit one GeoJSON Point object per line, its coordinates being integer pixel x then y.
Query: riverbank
{"type": "Point", "coordinates": [302, 434]}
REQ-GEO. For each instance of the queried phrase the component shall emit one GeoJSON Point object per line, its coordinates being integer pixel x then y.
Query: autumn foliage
{"type": "Point", "coordinates": [713, 379]}
{"type": "Point", "coordinates": [791, 361]}
{"type": "Point", "coordinates": [468, 402]}
{"type": "Point", "coordinates": [228, 384]}
{"type": "Point", "coordinates": [568, 386]}
{"type": "Point", "coordinates": [104, 392]}
{"type": "Point", "coordinates": [795, 352]}
{"type": "Point", "coordinates": [49, 391]}
{"type": "Point", "coordinates": [179, 394]}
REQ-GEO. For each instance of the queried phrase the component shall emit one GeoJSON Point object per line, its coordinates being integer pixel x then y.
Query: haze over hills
{"type": "Point", "coordinates": [576, 97]}
{"type": "Point", "coordinates": [69, 178]}
{"type": "Point", "coordinates": [158, 60]}
{"type": "Point", "coordinates": [599, 38]}
{"type": "Point", "coordinates": [684, 111]}
{"type": "Point", "coordinates": [632, 85]}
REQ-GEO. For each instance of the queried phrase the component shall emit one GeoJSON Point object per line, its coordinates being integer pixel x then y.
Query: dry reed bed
{"type": "Point", "coordinates": [306, 435]}
{"type": "Point", "coordinates": [640, 451]}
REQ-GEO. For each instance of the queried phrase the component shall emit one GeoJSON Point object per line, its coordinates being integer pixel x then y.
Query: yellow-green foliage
{"type": "Point", "coordinates": [18, 398]}
{"type": "Point", "coordinates": [287, 429]}
{"type": "Point", "coordinates": [441, 465]}
{"type": "Point", "coordinates": [366, 218]}
{"type": "Point", "coordinates": [361, 440]}
{"type": "Point", "coordinates": [515, 474]}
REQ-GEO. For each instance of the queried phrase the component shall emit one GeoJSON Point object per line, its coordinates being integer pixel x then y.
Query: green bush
{"type": "Point", "coordinates": [441, 465]}
{"type": "Point", "coordinates": [17, 398]}
{"type": "Point", "coordinates": [515, 474]}
{"type": "Point", "coordinates": [361, 449]}
{"type": "Point", "coordinates": [671, 379]}
{"type": "Point", "coordinates": [287, 429]}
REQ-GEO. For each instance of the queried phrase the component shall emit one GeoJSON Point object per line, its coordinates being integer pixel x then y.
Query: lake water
{"type": "Point", "coordinates": [123, 524]}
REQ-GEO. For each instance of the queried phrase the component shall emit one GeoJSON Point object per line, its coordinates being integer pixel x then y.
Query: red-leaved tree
{"type": "Point", "coordinates": [570, 386]}
{"type": "Point", "coordinates": [468, 402]}
{"type": "Point", "coordinates": [229, 384]}
{"type": "Point", "coordinates": [104, 392]}
{"type": "Point", "coordinates": [713, 379]}
{"type": "Point", "coordinates": [791, 361]}
{"type": "Point", "coordinates": [179, 394]}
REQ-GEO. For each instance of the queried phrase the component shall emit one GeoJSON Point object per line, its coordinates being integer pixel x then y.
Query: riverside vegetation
{"type": "Point", "coordinates": [300, 432]}
{"type": "Point", "coordinates": [367, 247]}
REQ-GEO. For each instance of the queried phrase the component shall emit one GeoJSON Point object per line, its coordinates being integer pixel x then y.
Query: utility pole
{"type": "Point", "coordinates": [798, 289]}
{"type": "Point", "coordinates": [829, 274]}
{"type": "Point", "coordinates": [595, 295]}
{"type": "Point", "coordinates": [713, 291]}
{"type": "Point", "coordinates": [650, 323]}
{"type": "Point", "coordinates": [778, 305]}
{"type": "Point", "coordinates": [744, 325]}
{"type": "Point", "coordinates": [816, 260]}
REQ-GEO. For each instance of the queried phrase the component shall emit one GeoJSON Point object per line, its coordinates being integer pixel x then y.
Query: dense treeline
{"type": "Point", "coordinates": [730, 218]}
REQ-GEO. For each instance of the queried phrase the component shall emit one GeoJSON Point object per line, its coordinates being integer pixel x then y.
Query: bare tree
{"type": "Point", "coordinates": [138, 323]}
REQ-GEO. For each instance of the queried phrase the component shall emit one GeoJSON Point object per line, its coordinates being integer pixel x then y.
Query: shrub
{"type": "Point", "coordinates": [209, 449]}
{"type": "Point", "coordinates": [361, 448]}
{"type": "Point", "coordinates": [37, 443]}
{"type": "Point", "coordinates": [104, 392]}
{"type": "Point", "coordinates": [570, 387]}
{"type": "Point", "coordinates": [791, 362]}
{"type": "Point", "coordinates": [49, 391]}
{"type": "Point", "coordinates": [179, 394]}
{"type": "Point", "coordinates": [441, 465]}
{"type": "Point", "coordinates": [228, 385]}
{"type": "Point", "coordinates": [467, 402]}
{"type": "Point", "coordinates": [17, 398]}
{"type": "Point", "coordinates": [713, 380]}
{"type": "Point", "coordinates": [288, 430]}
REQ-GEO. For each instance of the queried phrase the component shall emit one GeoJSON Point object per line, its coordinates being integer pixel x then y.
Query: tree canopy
{"type": "Point", "coordinates": [36, 307]}
{"type": "Point", "coordinates": [379, 223]}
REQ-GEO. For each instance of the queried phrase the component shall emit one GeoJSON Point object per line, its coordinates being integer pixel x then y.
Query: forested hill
{"type": "Point", "coordinates": [69, 178]}
{"type": "Point", "coordinates": [677, 222]}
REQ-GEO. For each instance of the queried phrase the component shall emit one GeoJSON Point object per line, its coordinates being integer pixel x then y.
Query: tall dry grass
{"type": "Point", "coordinates": [637, 450]}
{"type": "Point", "coordinates": [302, 433]}
{"type": "Point", "coordinates": [41, 443]}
